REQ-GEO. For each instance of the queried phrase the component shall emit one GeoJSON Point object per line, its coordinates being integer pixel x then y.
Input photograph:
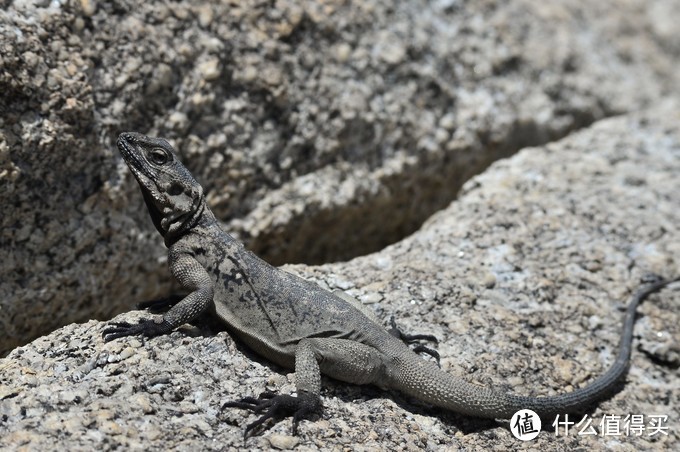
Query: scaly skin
{"type": "Point", "coordinates": [297, 324]}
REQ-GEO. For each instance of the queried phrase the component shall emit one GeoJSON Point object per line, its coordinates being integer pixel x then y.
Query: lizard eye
{"type": "Point", "coordinates": [158, 156]}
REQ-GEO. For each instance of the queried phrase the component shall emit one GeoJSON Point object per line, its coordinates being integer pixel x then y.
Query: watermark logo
{"type": "Point", "coordinates": [525, 425]}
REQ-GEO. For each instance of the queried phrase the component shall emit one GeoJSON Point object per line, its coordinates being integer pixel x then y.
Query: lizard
{"type": "Point", "coordinates": [295, 323]}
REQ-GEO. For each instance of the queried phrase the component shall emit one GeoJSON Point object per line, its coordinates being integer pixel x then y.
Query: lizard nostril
{"type": "Point", "coordinates": [126, 137]}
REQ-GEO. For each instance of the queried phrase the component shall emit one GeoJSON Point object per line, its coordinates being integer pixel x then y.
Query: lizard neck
{"type": "Point", "coordinates": [201, 217]}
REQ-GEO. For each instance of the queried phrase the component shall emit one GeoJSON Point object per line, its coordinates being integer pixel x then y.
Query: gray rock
{"type": "Point", "coordinates": [321, 131]}
{"type": "Point", "coordinates": [521, 278]}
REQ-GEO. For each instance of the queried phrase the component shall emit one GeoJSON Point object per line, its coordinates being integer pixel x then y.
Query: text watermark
{"type": "Point", "coordinates": [526, 425]}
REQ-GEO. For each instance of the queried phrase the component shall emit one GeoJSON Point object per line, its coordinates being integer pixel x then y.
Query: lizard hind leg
{"type": "Point", "coordinates": [409, 339]}
{"type": "Point", "coordinates": [394, 330]}
{"type": "Point", "coordinates": [307, 400]}
{"type": "Point", "coordinates": [342, 359]}
{"type": "Point", "coordinates": [277, 405]}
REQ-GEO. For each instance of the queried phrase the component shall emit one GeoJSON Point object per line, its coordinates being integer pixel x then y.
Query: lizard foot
{"type": "Point", "coordinates": [277, 405]}
{"type": "Point", "coordinates": [413, 338]}
{"type": "Point", "coordinates": [145, 327]}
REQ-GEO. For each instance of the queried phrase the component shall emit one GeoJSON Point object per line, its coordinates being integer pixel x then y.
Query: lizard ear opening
{"type": "Point", "coordinates": [175, 189]}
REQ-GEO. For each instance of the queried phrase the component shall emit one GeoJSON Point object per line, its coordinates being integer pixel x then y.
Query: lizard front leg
{"type": "Point", "coordinates": [192, 276]}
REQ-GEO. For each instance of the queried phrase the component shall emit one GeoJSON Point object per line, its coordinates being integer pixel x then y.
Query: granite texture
{"type": "Point", "coordinates": [522, 279]}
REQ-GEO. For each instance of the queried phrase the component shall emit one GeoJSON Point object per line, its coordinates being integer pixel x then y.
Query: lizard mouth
{"type": "Point", "coordinates": [131, 156]}
{"type": "Point", "coordinates": [146, 179]}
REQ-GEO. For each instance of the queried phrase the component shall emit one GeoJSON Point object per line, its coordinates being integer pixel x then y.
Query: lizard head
{"type": "Point", "coordinates": [172, 195]}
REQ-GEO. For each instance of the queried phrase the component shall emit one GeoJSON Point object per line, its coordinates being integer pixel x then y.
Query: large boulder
{"type": "Point", "coordinates": [321, 131]}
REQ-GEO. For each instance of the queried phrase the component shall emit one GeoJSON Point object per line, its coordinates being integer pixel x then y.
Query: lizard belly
{"type": "Point", "coordinates": [283, 355]}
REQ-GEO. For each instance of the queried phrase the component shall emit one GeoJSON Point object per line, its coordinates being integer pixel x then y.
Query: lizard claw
{"type": "Point", "coordinates": [420, 348]}
{"type": "Point", "coordinates": [409, 338]}
{"type": "Point", "coordinates": [277, 405]}
{"type": "Point", "coordinates": [145, 327]}
{"type": "Point", "coordinates": [414, 338]}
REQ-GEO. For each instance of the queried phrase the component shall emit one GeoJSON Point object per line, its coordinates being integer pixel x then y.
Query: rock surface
{"type": "Point", "coordinates": [322, 130]}
{"type": "Point", "coordinates": [521, 278]}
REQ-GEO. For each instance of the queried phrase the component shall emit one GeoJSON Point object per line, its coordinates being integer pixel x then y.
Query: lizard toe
{"type": "Point", "coordinates": [145, 327]}
{"type": "Point", "coordinates": [277, 406]}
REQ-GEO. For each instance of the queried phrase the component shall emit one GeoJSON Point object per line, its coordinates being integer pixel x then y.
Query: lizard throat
{"type": "Point", "coordinates": [178, 225]}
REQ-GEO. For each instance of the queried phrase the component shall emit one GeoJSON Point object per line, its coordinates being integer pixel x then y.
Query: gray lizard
{"type": "Point", "coordinates": [297, 324]}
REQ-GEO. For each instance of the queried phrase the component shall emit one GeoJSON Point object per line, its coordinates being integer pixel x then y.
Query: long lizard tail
{"type": "Point", "coordinates": [424, 381]}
